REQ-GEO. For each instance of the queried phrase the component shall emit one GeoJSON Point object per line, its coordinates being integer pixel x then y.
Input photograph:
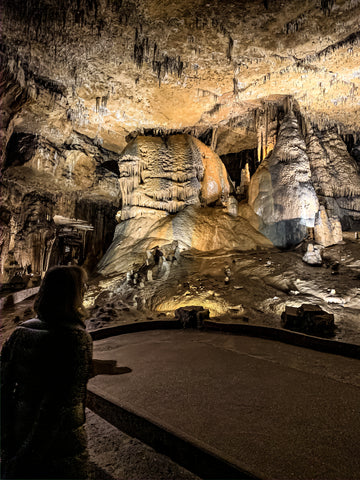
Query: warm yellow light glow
{"type": "Point", "coordinates": [215, 305]}
{"type": "Point", "coordinates": [89, 302]}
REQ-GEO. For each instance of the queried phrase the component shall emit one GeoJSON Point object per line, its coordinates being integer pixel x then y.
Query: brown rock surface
{"type": "Point", "coordinates": [84, 83]}
{"type": "Point", "coordinates": [113, 67]}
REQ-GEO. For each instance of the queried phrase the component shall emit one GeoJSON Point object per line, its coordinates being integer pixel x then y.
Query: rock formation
{"type": "Point", "coordinates": [335, 175]}
{"type": "Point", "coordinates": [281, 192]}
{"type": "Point", "coordinates": [312, 255]}
{"type": "Point", "coordinates": [167, 174]}
{"type": "Point", "coordinates": [174, 189]}
{"type": "Point", "coordinates": [327, 231]}
{"type": "Point", "coordinates": [135, 107]}
{"type": "Point", "coordinates": [41, 181]}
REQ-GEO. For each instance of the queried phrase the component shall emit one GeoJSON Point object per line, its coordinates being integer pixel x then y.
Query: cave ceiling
{"type": "Point", "coordinates": [108, 69]}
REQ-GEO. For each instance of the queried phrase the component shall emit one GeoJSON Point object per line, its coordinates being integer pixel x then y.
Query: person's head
{"type": "Point", "coordinates": [60, 298]}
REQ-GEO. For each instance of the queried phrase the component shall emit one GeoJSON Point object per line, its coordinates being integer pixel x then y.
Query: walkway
{"type": "Point", "coordinates": [274, 410]}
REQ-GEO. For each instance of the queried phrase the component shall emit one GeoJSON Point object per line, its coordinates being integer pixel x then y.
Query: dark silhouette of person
{"type": "Point", "coordinates": [45, 365]}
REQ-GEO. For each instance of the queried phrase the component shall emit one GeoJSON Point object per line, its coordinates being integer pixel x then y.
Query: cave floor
{"type": "Point", "coordinates": [261, 283]}
{"type": "Point", "coordinates": [287, 408]}
{"type": "Point", "coordinates": [274, 410]}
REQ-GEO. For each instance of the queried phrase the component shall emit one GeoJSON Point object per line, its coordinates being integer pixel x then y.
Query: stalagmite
{"type": "Point", "coordinates": [281, 192]}
{"type": "Point", "coordinates": [327, 230]}
{"type": "Point", "coordinates": [245, 180]}
{"type": "Point", "coordinates": [335, 174]}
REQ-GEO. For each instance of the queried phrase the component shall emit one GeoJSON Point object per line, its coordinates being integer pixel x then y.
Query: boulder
{"type": "Point", "coordinates": [191, 316]}
{"type": "Point", "coordinates": [327, 230]}
{"type": "Point", "coordinates": [312, 255]}
{"type": "Point", "coordinates": [308, 318]}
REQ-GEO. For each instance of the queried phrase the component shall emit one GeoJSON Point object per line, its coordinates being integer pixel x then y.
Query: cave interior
{"type": "Point", "coordinates": [225, 133]}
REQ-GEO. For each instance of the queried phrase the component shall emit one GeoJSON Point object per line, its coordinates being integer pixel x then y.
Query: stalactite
{"type": "Point", "coordinates": [326, 6]}
{"type": "Point", "coordinates": [229, 48]}
{"type": "Point", "coordinates": [349, 41]}
{"type": "Point", "coordinates": [167, 65]}
{"type": "Point", "coordinates": [294, 25]}
{"type": "Point", "coordinates": [139, 48]}
{"type": "Point", "coordinates": [103, 108]}
{"type": "Point", "coordinates": [157, 69]}
{"type": "Point", "coordinates": [214, 139]}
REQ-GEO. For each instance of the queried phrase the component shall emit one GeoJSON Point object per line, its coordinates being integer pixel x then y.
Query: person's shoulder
{"type": "Point", "coordinates": [33, 323]}
{"type": "Point", "coordinates": [28, 335]}
{"type": "Point", "coordinates": [33, 328]}
{"type": "Point", "coordinates": [75, 331]}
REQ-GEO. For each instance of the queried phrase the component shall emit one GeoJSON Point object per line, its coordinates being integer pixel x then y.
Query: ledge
{"type": "Point", "coordinates": [270, 333]}
{"type": "Point", "coordinates": [189, 453]}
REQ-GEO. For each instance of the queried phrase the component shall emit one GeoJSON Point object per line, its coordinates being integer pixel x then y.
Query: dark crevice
{"type": "Point", "coordinates": [112, 166]}
{"type": "Point", "coordinates": [235, 162]}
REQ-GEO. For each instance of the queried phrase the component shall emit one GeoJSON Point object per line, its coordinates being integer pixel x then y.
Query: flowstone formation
{"type": "Point", "coordinates": [281, 192]}
{"type": "Point", "coordinates": [168, 173]}
{"type": "Point", "coordinates": [174, 189]}
{"type": "Point", "coordinates": [335, 175]}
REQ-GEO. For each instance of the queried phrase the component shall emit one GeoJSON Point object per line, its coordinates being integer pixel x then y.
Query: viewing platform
{"type": "Point", "coordinates": [232, 406]}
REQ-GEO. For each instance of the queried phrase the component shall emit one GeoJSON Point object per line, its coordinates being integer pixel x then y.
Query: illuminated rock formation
{"type": "Point", "coordinates": [108, 68]}
{"type": "Point", "coordinates": [200, 228]}
{"type": "Point", "coordinates": [174, 189]}
{"type": "Point", "coordinates": [168, 173]}
{"type": "Point", "coordinates": [159, 174]}
{"type": "Point", "coordinates": [312, 255]}
{"type": "Point", "coordinates": [335, 175]}
{"type": "Point", "coordinates": [281, 192]}
{"type": "Point", "coordinates": [327, 230]}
